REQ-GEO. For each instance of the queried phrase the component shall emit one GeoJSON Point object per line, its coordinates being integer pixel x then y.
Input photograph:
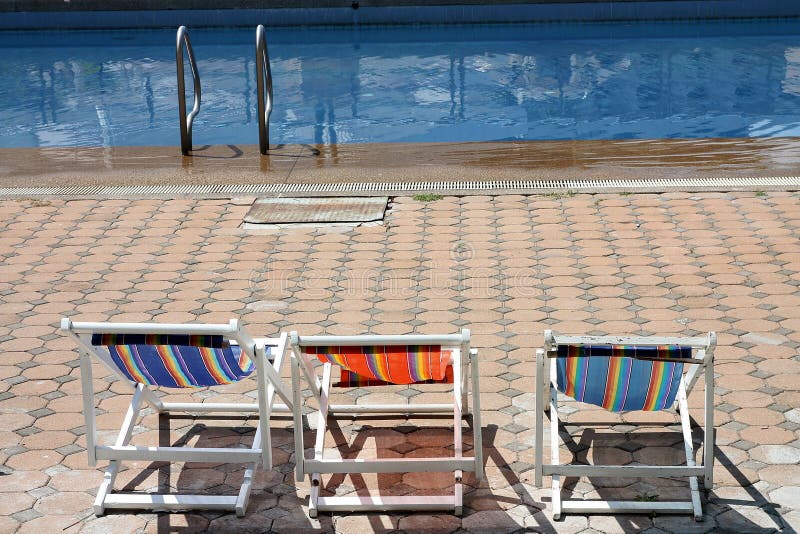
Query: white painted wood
{"type": "Point", "coordinates": [210, 407]}
{"type": "Point", "coordinates": [273, 378]}
{"type": "Point", "coordinates": [313, 501]}
{"type": "Point", "coordinates": [170, 502]}
{"type": "Point", "coordinates": [366, 340]}
{"type": "Point", "coordinates": [156, 328]}
{"type": "Point", "coordinates": [477, 426]}
{"type": "Point", "coordinates": [693, 372]}
{"type": "Point", "coordinates": [278, 357]}
{"type": "Point", "coordinates": [178, 454]}
{"type": "Point", "coordinates": [106, 485]}
{"type": "Point", "coordinates": [247, 477]}
{"type": "Point", "coordinates": [458, 442]}
{"type": "Point", "coordinates": [395, 465]}
{"type": "Point", "coordinates": [322, 414]}
{"type": "Point", "coordinates": [311, 376]}
{"type": "Point", "coordinates": [458, 387]}
{"type": "Point", "coordinates": [263, 405]}
{"type": "Point", "coordinates": [580, 470]}
{"type": "Point", "coordinates": [689, 449]}
{"type": "Point", "coordinates": [131, 416]}
{"type": "Point", "coordinates": [555, 479]}
{"type": "Point", "coordinates": [88, 407]}
{"type": "Point", "coordinates": [297, 412]}
{"type": "Point", "coordinates": [625, 507]}
{"type": "Point", "coordinates": [463, 356]}
{"type": "Point", "coordinates": [708, 415]}
{"type": "Point", "coordinates": [696, 342]}
{"type": "Point", "coordinates": [124, 436]}
{"type": "Point", "coordinates": [390, 408]}
{"type": "Point", "coordinates": [538, 440]}
{"type": "Point", "coordinates": [362, 503]}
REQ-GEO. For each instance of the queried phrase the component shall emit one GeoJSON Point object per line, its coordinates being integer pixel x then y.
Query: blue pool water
{"type": "Point", "coordinates": [409, 84]}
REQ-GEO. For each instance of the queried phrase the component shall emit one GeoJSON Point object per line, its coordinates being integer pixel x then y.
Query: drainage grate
{"type": "Point", "coordinates": [316, 210]}
{"type": "Point", "coordinates": [369, 189]}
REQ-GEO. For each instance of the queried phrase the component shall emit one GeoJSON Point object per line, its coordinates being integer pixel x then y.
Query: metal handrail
{"type": "Point", "coordinates": [263, 78]}
{"type": "Point", "coordinates": [186, 121]}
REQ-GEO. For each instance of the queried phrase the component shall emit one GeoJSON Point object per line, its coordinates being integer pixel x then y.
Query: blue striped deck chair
{"type": "Point", "coordinates": [186, 357]}
{"type": "Point", "coordinates": [621, 374]}
{"type": "Point", "coordinates": [398, 360]}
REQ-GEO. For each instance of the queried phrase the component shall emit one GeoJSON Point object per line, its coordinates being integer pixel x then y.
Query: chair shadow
{"type": "Point", "coordinates": [442, 440]}
{"type": "Point", "coordinates": [398, 441]}
{"type": "Point", "coordinates": [535, 508]}
{"type": "Point", "coordinates": [211, 479]}
{"type": "Point", "coordinates": [609, 448]}
{"type": "Point", "coordinates": [391, 442]}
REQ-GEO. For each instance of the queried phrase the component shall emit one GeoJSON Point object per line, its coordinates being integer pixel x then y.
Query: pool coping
{"type": "Point", "coordinates": [404, 168]}
{"type": "Point", "coordinates": [96, 14]}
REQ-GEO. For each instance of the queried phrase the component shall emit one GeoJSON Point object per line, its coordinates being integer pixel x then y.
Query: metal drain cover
{"type": "Point", "coordinates": [316, 210]}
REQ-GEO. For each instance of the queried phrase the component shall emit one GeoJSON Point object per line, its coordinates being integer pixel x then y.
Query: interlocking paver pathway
{"type": "Point", "coordinates": [507, 267]}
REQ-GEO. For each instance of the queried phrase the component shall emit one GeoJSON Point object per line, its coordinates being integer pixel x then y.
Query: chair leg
{"type": "Point", "coordinates": [477, 429]}
{"type": "Point", "coordinates": [697, 508]}
{"type": "Point", "coordinates": [123, 438]}
{"type": "Point", "coordinates": [106, 486]}
{"type": "Point", "coordinates": [554, 454]}
{"type": "Point", "coordinates": [313, 497]}
{"type": "Point", "coordinates": [247, 479]}
{"type": "Point", "coordinates": [319, 442]}
{"type": "Point", "coordinates": [458, 499]}
{"type": "Point", "coordinates": [539, 418]}
{"type": "Point", "coordinates": [709, 430]}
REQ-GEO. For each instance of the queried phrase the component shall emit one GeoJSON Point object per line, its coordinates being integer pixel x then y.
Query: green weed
{"type": "Point", "coordinates": [427, 197]}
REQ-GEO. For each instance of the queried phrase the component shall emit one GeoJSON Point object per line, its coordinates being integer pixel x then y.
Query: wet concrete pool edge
{"type": "Point", "coordinates": [646, 163]}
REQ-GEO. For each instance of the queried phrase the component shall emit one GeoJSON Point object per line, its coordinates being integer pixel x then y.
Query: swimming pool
{"type": "Point", "coordinates": [409, 84]}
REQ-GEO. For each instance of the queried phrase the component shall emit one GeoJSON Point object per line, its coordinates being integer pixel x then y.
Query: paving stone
{"type": "Point", "coordinates": [683, 523]}
{"type": "Point", "coordinates": [370, 522]}
{"type": "Point", "coordinates": [748, 519]}
{"type": "Point", "coordinates": [791, 521]}
{"type": "Point", "coordinates": [491, 521]}
{"type": "Point", "coordinates": [776, 454]}
{"type": "Point", "coordinates": [786, 497]}
{"type": "Point", "coordinates": [692, 263]}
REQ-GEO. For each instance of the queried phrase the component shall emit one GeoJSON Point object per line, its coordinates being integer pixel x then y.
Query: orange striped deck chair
{"type": "Point", "coordinates": [621, 374]}
{"type": "Point", "coordinates": [371, 360]}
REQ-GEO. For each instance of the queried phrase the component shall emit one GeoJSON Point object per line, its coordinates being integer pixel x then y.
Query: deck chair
{"type": "Point", "coordinates": [624, 374]}
{"type": "Point", "coordinates": [372, 360]}
{"type": "Point", "coordinates": [148, 355]}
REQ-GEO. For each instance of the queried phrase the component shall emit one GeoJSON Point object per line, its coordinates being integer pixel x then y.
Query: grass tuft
{"type": "Point", "coordinates": [427, 197]}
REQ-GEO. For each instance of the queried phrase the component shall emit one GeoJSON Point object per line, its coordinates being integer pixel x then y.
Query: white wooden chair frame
{"type": "Point", "coordinates": [465, 375]}
{"type": "Point", "coordinates": [702, 360]}
{"type": "Point", "coordinates": [269, 383]}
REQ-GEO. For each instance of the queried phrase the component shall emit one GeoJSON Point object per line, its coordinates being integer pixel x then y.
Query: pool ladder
{"type": "Point", "coordinates": [263, 88]}
{"type": "Point", "coordinates": [186, 121]}
{"type": "Point", "coordinates": [263, 81]}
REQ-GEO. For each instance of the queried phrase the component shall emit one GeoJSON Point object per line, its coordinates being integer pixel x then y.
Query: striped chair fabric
{"type": "Point", "coordinates": [387, 364]}
{"type": "Point", "coordinates": [613, 376]}
{"type": "Point", "coordinates": [177, 361]}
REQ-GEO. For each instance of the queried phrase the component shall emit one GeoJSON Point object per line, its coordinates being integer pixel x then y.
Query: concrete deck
{"type": "Point", "coordinates": [507, 267]}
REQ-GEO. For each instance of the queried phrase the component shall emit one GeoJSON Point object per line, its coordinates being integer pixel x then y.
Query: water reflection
{"type": "Point", "coordinates": [422, 84]}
